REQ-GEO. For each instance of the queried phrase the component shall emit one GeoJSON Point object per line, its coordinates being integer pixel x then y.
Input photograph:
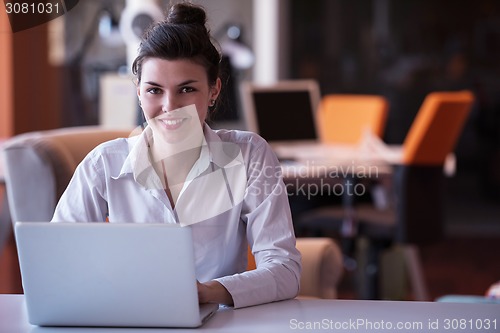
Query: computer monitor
{"type": "Point", "coordinates": [282, 111]}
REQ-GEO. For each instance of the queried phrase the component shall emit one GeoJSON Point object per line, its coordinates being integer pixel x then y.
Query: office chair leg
{"type": "Point", "coordinates": [401, 271]}
{"type": "Point", "coordinates": [415, 272]}
{"type": "Point", "coordinates": [393, 283]}
{"type": "Point", "coordinates": [367, 255]}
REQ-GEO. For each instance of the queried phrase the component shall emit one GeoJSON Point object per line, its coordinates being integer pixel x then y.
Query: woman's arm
{"type": "Point", "coordinates": [83, 200]}
{"type": "Point", "coordinates": [270, 234]}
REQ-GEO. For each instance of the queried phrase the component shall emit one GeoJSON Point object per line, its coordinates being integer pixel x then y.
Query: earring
{"type": "Point", "coordinates": [140, 103]}
{"type": "Point", "coordinates": [211, 106]}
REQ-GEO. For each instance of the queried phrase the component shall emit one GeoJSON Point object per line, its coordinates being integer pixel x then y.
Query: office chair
{"type": "Point", "coordinates": [321, 267]}
{"type": "Point", "coordinates": [343, 119]}
{"type": "Point", "coordinates": [346, 120]}
{"type": "Point", "coordinates": [418, 178]}
{"type": "Point", "coordinates": [414, 214]}
{"type": "Point", "coordinates": [39, 166]}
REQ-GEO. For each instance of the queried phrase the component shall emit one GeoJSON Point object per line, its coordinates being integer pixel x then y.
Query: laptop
{"type": "Point", "coordinates": [109, 274]}
{"type": "Point", "coordinates": [283, 112]}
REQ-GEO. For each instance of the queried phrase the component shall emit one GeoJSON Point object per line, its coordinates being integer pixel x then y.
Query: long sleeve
{"type": "Point", "coordinates": [266, 213]}
{"type": "Point", "coordinates": [83, 200]}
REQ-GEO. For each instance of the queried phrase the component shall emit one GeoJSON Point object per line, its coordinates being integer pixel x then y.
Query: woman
{"type": "Point", "coordinates": [225, 184]}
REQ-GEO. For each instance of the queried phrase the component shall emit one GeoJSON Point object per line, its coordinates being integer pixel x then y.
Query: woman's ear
{"type": "Point", "coordinates": [139, 95]}
{"type": "Point", "coordinates": [215, 89]}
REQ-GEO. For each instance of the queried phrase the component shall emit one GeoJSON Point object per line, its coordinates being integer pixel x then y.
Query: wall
{"type": "Point", "coordinates": [29, 85]}
{"type": "Point", "coordinates": [6, 77]}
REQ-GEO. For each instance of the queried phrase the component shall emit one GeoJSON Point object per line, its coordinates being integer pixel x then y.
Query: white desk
{"type": "Point", "coordinates": [317, 157]}
{"type": "Point", "coordinates": [298, 315]}
{"type": "Point", "coordinates": [362, 159]}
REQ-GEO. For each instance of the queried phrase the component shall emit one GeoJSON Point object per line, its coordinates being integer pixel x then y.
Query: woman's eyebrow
{"type": "Point", "coordinates": [151, 83]}
{"type": "Point", "coordinates": [187, 82]}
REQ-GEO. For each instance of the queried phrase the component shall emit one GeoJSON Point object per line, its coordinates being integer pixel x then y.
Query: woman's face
{"type": "Point", "coordinates": [167, 88]}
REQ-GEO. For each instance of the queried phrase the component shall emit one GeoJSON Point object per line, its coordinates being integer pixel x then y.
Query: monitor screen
{"type": "Point", "coordinates": [283, 111]}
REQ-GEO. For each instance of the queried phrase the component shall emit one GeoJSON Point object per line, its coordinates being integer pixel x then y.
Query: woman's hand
{"type": "Point", "coordinates": [214, 292]}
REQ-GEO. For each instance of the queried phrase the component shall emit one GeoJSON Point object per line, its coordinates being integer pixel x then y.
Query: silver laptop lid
{"type": "Point", "coordinates": [108, 274]}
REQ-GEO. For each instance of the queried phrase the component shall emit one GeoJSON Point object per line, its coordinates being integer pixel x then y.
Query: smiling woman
{"type": "Point", "coordinates": [179, 170]}
{"type": "Point", "coordinates": [169, 85]}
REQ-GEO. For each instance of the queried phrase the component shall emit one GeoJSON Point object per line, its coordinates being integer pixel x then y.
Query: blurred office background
{"type": "Point", "coordinates": [67, 73]}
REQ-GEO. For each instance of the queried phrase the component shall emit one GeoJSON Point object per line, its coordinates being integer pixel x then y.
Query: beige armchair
{"type": "Point", "coordinates": [322, 267]}
{"type": "Point", "coordinates": [39, 165]}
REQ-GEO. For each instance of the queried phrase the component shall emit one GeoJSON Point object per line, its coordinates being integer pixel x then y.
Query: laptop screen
{"type": "Point", "coordinates": [283, 111]}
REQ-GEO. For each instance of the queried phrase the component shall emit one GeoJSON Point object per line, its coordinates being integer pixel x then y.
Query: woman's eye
{"type": "Point", "coordinates": [153, 91]}
{"type": "Point", "coordinates": [187, 89]}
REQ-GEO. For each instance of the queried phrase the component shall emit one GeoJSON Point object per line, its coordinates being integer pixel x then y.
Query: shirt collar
{"type": "Point", "coordinates": [138, 162]}
{"type": "Point", "coordinates": [222, 153]}
{"type": "Point", "coordinates": [138, 156]}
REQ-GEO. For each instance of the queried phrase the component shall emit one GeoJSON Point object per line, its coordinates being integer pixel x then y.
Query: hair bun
{"type": "Point", "coordinates": [186, 13]}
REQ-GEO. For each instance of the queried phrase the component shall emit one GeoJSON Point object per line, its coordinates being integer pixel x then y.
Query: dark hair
{"type": "Point", "coordinates": [183, 34]}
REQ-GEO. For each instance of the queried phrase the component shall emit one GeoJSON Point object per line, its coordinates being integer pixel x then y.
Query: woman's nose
{"type": "Point", "coordinates": [169, 103]}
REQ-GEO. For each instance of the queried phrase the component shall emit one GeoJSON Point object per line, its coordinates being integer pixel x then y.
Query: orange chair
{"type": "Point", "coordinates": [417, 179]}
{"type": "Point", "coordinates": [416, 215]}
{"type": "Point", "coordinates": [436, 128]}
{"type": "Point", "coordinates": [344, 118]}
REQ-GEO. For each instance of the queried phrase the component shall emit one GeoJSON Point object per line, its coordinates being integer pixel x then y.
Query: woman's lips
{"type": "Point", "coordinates": [172, 123]}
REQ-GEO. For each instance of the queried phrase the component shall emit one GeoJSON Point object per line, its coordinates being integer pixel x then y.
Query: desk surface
{"type": "Point", "coordinates": [356, 159]}
{"type": "Point", "coordinates": [305, 315]}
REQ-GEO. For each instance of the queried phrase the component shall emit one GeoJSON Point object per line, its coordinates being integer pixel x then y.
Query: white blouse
{"type": "Point", "coordinates": [234, 194]}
